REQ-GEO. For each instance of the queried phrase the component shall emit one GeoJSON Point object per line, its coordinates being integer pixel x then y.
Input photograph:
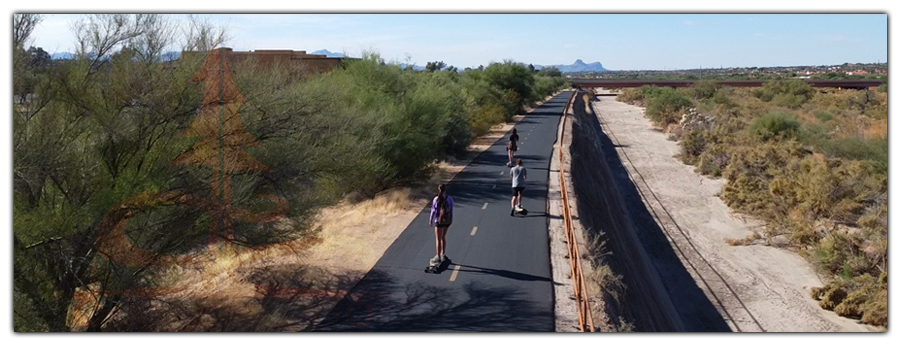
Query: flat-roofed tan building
{"type": "Point", "coordinates": [295, 61]}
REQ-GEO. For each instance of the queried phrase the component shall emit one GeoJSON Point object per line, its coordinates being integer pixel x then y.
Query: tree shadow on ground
{"type": "Point", "coordinates": [278, 298]}
{"type": "Point", "coordinates": [372, 307]}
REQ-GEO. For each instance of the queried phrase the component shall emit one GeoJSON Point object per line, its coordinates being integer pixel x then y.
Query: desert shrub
{"type": "Point", "coordinates": [693, 144]}
{"type": "Point", "coordinates": [813, 134]}
{"type": "Point", "coordinates": [882, 88]}
{"type": "Point", "coordinates": [876, 106]}
{"type": "Point", "coordinates": [665, 105]}
{"type": "Point", "coordinates": [630, 95]}
{"type": "Point", "coordinates": [704, 89]}
{"type": "Point", "coordinates": [649, 91]}
{"type": "Point", "coordinates": [786, 92]}
{"type": "Point", "coordinates": [863, 297]}
{"type": "Point", "coordinates": [516, 82]}
{"type": "Point", "coordinates": [547, 85]}
{"type": "Point", "coordinates": [713, 160]}
{"type": "Point", "coordinates": [774, 125]}
{"type": "Point", "coordinates": [751, 169]}
{"type": "Point", "coordinates": [871, 150]}
{"type": "Point", "coordinates": [484, 117]}
{"type": "Point", "coordinates": [823, 116]}
{"type": "Point", "coordinates": [788, 100]}
{"type": "Point", "coordinates": [722, 97]}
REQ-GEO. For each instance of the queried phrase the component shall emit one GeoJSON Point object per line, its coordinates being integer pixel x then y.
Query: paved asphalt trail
{"type": "Point", "coordinates": [499, 279]}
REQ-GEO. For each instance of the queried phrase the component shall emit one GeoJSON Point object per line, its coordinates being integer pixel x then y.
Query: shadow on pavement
{"type": "Point", "coordinates": [468, 307]}
{"type": "Point", "coordinates": [504, 273]}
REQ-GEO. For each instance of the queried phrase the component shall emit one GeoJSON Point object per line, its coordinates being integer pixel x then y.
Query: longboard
{"type": "Point", "coordinates": [521, 211]}
{"type": "Point", "coordinates": [438, 268]}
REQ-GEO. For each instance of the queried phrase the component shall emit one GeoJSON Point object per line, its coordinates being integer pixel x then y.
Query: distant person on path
{"type": "Point", "coordinates": [441, 218]}
{"type": "Point", "coordinates": [512, 146]}
{"type": "Point", "coordinates": [519, 175]}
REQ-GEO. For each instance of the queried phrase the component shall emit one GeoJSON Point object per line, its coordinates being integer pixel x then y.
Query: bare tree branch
{"type": "Point", "coordinates": [23, 25]}
{"type": "Point", "coordinates": [202, 35]}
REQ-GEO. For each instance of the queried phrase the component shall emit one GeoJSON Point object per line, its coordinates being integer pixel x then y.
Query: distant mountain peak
{"type": "Point", "coordinates": [62, 56]}
{"type": "Point", "coordinates": [579, 66]}
{"type": "Point", "coordinates": [327, 53]}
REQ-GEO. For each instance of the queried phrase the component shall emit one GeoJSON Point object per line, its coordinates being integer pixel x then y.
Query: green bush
{"type": "Point", "coordinates": [693, 144]}
{"type": "Point", "coordinates": [774, 125]}
{"type": "Point", "coordinates": [664, 105]}
{"type": "Point", "coordinates": [547, 85]}
{"type": "Point", "coordinates": [704, 89]}
{"type": "Point", "coordinates": [789, 93]}
{"type": "Point", "coordinates": [722, 97]}
{"type": "Point", "coordinates": [823, 116]}
{"type": "Point", "coordinates": [484, 117]}
{"type": "Point", "coordinates": [874, 151]}
{"type": "Point", "coordinates": [516, 82]}
{"type": "Point", "coordinates": [713, 160]}
{"type": "Point", "coordinates": [649, 91]}
{"type": "Point", "coordinates": [862, 297]}
{"type": "Point", "coordinates": [630, 95]}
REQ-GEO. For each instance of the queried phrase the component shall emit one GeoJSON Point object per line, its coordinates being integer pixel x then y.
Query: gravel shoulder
{"type": "Point", "coordinates": [755, 288]}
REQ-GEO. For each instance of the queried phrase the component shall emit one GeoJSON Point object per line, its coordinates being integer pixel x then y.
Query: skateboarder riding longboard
{"type": "Point", "coordinates": [518, 174]}
{"type": "Point", "coordinates": [441, 218]}
{"type": "Point", "coordinates": [512, 146]}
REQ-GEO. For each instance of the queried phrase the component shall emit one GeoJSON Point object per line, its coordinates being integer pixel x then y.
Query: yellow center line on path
{"type": "Point", "coordinates": [455, 273]}
{"type": "Point", "coordinates": [485, 204]}
{"type": "Point", "coordinates": [474, 229]}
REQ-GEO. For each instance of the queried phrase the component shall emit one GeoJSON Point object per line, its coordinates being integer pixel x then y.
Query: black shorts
{"type": "Point", "coordinates": [442, 225]}
{"type": "Point", "coordinates": [518, 190]}
{"type": "Point", "coordinates": [513, 148]}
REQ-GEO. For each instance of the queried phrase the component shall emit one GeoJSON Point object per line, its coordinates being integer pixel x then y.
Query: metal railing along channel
{"type": "Point", "coordinates": [585, 317]}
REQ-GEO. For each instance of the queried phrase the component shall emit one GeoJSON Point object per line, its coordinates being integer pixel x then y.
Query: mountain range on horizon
{"type": "Point", "coordinates": [578, 66]}
{"type": "Point", "coordinates": [327, 53]}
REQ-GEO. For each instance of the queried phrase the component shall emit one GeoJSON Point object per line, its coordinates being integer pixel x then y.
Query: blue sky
{"type": "Point", "coordinates": [618, 41]}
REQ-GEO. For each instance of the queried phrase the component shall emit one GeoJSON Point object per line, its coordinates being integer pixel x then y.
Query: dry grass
{"type": "Point", "coordinates": [604, 286]}
{"type": "Point", "coordinates": [744, 241]}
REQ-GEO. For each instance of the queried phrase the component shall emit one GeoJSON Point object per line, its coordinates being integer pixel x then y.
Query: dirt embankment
{"type": "Point", "coordinates": [599, 209]}
{"type": "Point", "coordinates": [667, 231]}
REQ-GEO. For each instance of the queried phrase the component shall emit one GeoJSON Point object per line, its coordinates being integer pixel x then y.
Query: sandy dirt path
{"type": "Point", "coordinates": [755, 288]}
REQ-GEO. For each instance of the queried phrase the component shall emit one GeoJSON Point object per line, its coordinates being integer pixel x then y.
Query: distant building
{"type": "Point", "coordinates": [298, 62]}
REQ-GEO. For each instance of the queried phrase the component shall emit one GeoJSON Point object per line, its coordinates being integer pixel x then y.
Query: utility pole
{"type": "Point", "coordinates": [701, 72]}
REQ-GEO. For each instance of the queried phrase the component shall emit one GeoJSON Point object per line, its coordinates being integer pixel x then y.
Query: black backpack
{"type": "Point", "coordinates": [444, 215]}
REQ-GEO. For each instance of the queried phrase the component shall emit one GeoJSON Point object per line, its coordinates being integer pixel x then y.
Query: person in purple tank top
{"type": "Point", "coordinates": [441, 218]}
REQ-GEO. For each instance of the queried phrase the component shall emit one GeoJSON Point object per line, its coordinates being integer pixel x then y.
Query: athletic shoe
{"type": "Point", "coordinates": [435, 260]}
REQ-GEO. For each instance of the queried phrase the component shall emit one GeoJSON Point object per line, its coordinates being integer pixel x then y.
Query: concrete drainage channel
{"type": "Point", "coordinates": [600, 207]}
